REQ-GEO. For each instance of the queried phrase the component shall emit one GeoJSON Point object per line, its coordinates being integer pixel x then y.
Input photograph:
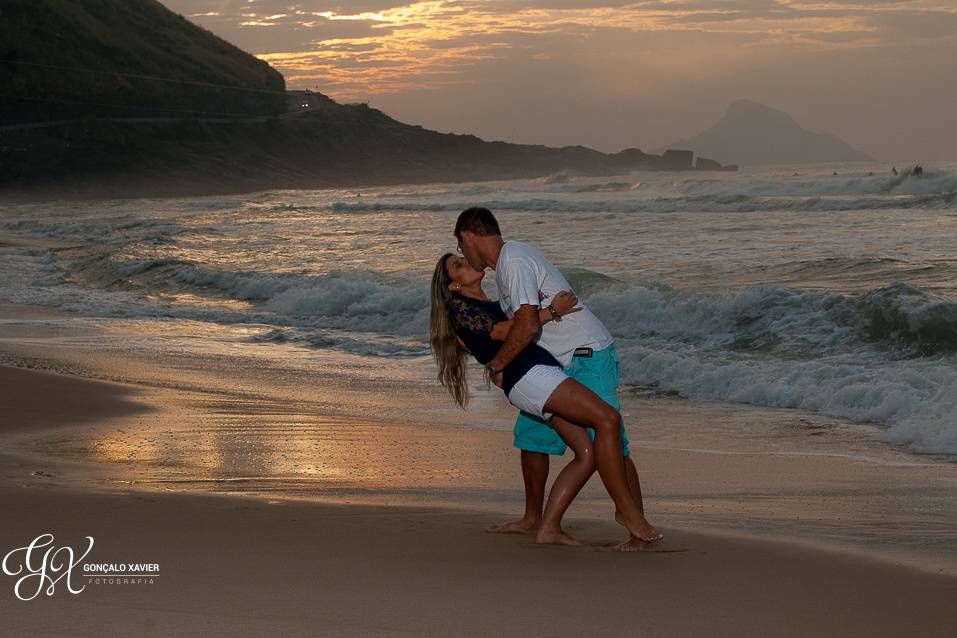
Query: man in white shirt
{"type": "Point", "coordinates": [527, 281]}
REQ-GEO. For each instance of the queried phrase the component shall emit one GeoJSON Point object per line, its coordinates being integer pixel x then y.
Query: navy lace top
{"type": "Point", "coordinates": [473, 319]}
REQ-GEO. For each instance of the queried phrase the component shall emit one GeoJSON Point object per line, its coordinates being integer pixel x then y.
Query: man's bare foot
{"type": "Point", "coordinates": [554, 537]}
{"type": "Point", "coordinates": [520, 526]}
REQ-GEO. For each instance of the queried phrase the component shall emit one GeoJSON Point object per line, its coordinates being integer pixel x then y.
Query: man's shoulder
{"type": "Point", "coordinates": [519, 250]}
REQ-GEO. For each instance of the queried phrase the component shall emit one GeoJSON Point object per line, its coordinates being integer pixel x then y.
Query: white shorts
{"type": "Point", "coordinates": [532, 391]}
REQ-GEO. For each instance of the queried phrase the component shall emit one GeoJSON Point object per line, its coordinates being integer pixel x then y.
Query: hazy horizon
{"type": "Point", "coordinates": [612, 75]}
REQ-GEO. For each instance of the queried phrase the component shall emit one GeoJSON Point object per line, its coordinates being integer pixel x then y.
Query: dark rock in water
{"type": "Point", "coordinates": [561, 178]}
{"type": "Point", "coordinates": [634, 156]}
{"type": "Point", "coordinates": [677, 160]}
{"type": "Point", "coordinates": [705, 164]}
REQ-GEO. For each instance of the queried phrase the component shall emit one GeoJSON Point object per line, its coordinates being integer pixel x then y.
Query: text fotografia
{"type": "Point", "coordinates": [120, 573]}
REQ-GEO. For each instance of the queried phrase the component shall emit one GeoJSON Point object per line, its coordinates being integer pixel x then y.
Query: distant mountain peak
{"type": "Point", "coordinates": [741, 109]}
{"type": "Point", "coordinates": [753, 133]}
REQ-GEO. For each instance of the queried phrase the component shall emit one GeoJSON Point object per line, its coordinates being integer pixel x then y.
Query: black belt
{"type": "Point", "coordinates": [583, 352]}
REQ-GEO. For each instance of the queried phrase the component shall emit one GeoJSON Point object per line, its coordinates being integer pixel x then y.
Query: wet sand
{"type": "Point", "coordinates": [245, 566]}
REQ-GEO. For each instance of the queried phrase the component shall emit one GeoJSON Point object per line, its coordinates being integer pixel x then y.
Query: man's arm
{"type": "Point", "coordinates": [563, 303]}
{"type": "Point", "coordinates": [500, 330]}
{"type": "Point", "coordinates": [524, 328]}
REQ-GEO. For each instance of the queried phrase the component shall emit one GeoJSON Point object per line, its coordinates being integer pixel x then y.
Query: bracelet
{"type": "Point", "coordinates": [555, 316]}
{"type": "Point", "coordinates": [492, 370]}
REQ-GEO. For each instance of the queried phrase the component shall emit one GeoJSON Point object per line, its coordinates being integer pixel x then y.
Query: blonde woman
{"type": "Point", "coordinates": [464, 320]}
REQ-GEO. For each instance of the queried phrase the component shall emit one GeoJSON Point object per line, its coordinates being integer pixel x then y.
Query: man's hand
{"type": "Point", "coordinates": [497, 379]}
{"type": "Point", "coordinates": [564, 303]}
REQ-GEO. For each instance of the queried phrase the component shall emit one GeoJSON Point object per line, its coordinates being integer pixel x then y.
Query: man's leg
{"type": "Point", "coordinates": [535, 475]}
{"type": "Point", "coordinates": [536, 440]}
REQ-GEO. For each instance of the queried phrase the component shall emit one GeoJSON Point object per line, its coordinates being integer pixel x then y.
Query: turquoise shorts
{"type": "Point", "coordinates": [599, 373]}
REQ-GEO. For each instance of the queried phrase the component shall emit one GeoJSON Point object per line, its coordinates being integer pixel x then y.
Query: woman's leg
{"type": "Point", "coordinates": [568, 484]}
{"type": "Point", "coordinates": [634, 543]}
{"type": "Point", "coordinates": [577, 404]}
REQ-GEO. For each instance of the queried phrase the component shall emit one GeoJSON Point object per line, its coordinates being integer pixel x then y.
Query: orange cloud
{"type": "Point", "coordinates": [388, 47]}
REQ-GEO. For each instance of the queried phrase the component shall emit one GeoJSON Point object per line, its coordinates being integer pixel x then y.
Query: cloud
{"type": "Point", "coordinates": [336, 43]}
{"type": "Point", "coordinates": [580, 56]}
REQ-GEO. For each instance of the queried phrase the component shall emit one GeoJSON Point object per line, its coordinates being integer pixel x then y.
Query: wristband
{"type": "Point", "coordinates": [555, 316]}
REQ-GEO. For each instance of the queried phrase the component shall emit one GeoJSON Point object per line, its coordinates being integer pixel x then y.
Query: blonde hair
{"type": "Point", "coordinates": [445, 349]}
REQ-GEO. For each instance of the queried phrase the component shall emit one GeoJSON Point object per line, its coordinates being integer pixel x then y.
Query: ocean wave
{"type": "Point", "coordinates": [358, 343]}
{"type": "Point", "coordinates": [601, 187]}
{"type": "Point", "coordinates": [104, 231]}
{"type": "Point", "coordinates": [359, 301]}
{"type": "Point", "coordinates": [899, 319]}
{"type": "Point", "coordinates": [830, 266]}
{"type": "Point", "coordinates": [916, 400]}
{"type": "Point", "coordinates": [557, 178]}
{"type": "Point", "coordinates": [886, 356]}
{"type": "Point", "coordinates": [932, 182]}
{"type": "Point", "coordinates": [718, 203]}
{"type": "Point", "coordinates": [137, 267]}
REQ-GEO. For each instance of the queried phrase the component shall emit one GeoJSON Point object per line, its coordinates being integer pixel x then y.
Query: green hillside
{"type": "Point", "coordinates": [336, 145]}
{"type": "Point", "coordinates": [125, 98]}
{"type": "Point", "coordinates": [68, 58]}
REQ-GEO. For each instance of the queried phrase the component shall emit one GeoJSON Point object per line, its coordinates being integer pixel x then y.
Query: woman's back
{"type": "Point", "coordinates": [473, 320]}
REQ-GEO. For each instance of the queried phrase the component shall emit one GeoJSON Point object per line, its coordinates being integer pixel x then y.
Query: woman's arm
{"type": "Point", "coordinates": [563, 303]}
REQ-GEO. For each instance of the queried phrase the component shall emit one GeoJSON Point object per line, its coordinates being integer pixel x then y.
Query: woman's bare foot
{"type": "Point", "coordinates": [521, 526]}
{"type": "Point", "coordinates": [640, 528]}
{"type": "Point", "coordinates": [634, 544]}
{"type": "Point", "coordinates": [554, 536]}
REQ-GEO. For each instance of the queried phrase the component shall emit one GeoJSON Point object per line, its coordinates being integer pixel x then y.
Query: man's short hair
{"type": "Point", "coordinates": [478, 220]}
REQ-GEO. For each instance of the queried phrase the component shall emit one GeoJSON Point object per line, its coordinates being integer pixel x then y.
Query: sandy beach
{"type": "Point", "coordinates": [234, 565]}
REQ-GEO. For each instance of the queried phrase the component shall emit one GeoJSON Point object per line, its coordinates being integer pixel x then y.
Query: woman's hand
{"type": "Point", "coordinates": [564, 303]}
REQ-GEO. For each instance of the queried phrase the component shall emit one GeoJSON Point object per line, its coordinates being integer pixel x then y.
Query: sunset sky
{"type": "Point", "coordinates": [880, 74]}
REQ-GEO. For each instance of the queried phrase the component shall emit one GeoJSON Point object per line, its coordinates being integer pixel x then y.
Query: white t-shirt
{"type": "Point", "coordinates": [524, 276]}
